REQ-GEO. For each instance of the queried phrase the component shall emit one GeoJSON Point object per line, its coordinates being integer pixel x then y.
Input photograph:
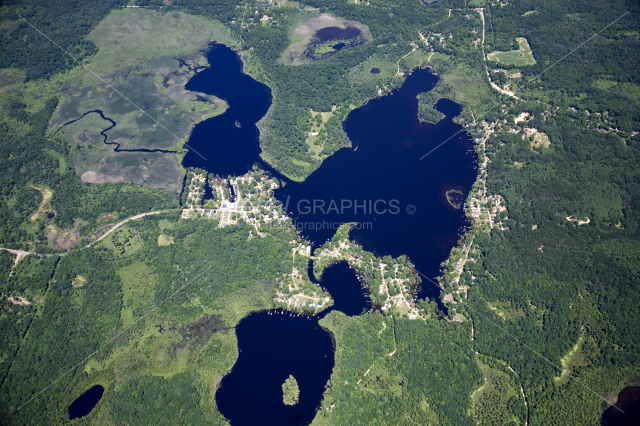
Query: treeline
{"type": "Point", "coordinates": [595, 76]}
{"type": "Point", "coordinates": [67, 23]}
{"type": "Point", "coordinates": [204, 266]}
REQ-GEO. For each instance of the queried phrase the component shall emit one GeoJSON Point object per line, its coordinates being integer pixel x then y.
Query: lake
{"type": "Point", "coordinates": [398, 201]}
{"type": "Point", "coordinates": [228, 142]}
{"type": "Point", "coordinates": [344, 286]}
{"type": "Point", "coordinates": [273, 346]}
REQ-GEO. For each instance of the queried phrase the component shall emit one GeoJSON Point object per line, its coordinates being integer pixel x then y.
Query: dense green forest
{"type": "Point", "coordinates": [545, 280]}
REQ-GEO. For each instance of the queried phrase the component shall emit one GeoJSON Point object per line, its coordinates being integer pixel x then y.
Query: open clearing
{"type": "Point", "coordinates": [138, 284]}
{"type": "Point", "coordinates": [79, 281]}
{"type": "Point", "coordinates": [164, 240]}
{"type": "Point", "coordinates": [520, 57]}
{"type": "Point", "coordinates": [44, 207]}
{"type": "Point", "coordinates": [123, 242]}
{"type": "Point", "coordinates": [574, 358]}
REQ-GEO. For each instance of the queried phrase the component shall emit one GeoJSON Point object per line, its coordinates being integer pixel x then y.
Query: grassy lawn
{"type": "Point", "coordinates": [165, 240]}
{"type": "Point", "coordinates": [520, 57]}
{"type": "Point", "coordinates": [138, 283]}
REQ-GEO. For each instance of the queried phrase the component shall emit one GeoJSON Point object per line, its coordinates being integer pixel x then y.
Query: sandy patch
{"type": "Point", "coordinates": [580, 222]}
{"type": "Point", "coordinates": [17, 300]}
{"type": "Point", "coordinates": [522, 117]}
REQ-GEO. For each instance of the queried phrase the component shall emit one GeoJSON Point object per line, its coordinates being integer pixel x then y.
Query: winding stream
{"type": "Point", "coordinates": [104, 134]}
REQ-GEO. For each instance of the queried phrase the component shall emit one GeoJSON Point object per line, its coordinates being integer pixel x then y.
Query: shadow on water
{"type": "Point", "coordinates": [85, 402]}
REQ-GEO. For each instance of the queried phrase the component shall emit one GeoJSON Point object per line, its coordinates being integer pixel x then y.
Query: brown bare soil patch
{"type": "Point", "coordinates": [66, 239]}
{"type": "Point", "coordinates": [17, 300]}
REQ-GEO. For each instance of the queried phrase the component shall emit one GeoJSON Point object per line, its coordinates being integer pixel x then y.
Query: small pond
{"type": "Point", "coordinates": [85, 402]}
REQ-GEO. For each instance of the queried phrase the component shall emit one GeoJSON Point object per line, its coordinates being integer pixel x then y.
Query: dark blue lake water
{"type": "Point", "coordinates": [271, 348]}
{"type": "Point", "coordinates": [628, 413]}
{"type": "Point", "coordinates": [345, 287]}
{"type": "Point", "coordinates": [398, 200]}
{"type": "Point", "coordinates": [228, 142]}
{"type": "Point", "coordinates": [85, 402]}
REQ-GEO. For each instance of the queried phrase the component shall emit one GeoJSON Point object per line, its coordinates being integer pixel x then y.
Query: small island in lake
{"type": "Point", "coordinates": [290, 391]}
{"type": "Point", "coordinates": [455, 198]}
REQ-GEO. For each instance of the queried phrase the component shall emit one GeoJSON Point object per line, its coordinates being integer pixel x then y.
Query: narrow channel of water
{"type": "Point", "coordinates": [103, 133]}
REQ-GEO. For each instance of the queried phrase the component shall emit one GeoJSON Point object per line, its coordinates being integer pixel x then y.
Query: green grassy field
{"type": "Point", "coordinates": [520, 57]}
{"type": "Point", "coordinates": [138, 283]}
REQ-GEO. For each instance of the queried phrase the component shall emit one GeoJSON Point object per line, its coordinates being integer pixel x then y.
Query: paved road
{"type": "Point", "coordinates": [123, 222]}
